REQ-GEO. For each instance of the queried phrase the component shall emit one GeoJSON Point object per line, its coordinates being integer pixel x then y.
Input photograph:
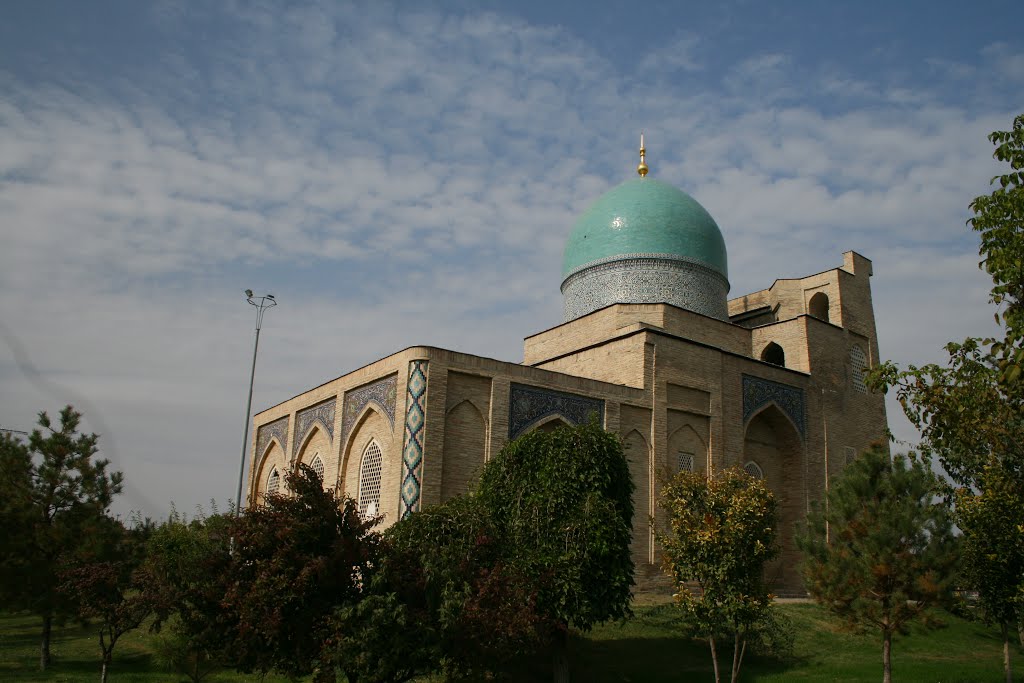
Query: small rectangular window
{"type": "Point", "coordinates": [684, 462]}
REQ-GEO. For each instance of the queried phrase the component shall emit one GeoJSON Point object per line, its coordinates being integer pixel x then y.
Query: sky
{"type": "Point", "coordinates": [402, 174]}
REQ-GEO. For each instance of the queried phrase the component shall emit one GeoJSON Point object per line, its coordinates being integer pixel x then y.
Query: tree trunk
{"type": "Point", "coordinates": [103, 670]}
{"type": "Point", "coordinates": [735, 657]}
{"type": "Point", "coordinates": [714, 659]}
{"type": "Point", "coordinates": [44, 647]}
{"type": "Point", "coordinates": [886, 657]}
{"type": "Point", "coordinates": [1020, 631]}
{"type": "Point", "coordinates": [560, 658]}
{"type": "Point", "coordinates": [1007, 666]}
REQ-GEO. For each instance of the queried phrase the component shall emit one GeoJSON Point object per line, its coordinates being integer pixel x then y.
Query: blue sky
{"type": "Point", "coordinates": [402, 174]}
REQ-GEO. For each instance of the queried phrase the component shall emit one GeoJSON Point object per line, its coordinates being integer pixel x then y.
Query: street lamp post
{"type": "Point", "coordinates": [262, 303]}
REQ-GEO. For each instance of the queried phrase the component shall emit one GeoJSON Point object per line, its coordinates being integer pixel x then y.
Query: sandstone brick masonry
{"type": "Point", "coordinates": [679, 387]}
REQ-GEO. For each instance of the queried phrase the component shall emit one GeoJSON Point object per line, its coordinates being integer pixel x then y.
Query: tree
{"type": "Point", "coordinates": [992, 520]}
{"type": "Point", "coordinates": [722, 533]}
{"type": "Point", "coordinates": [890, 554]}
{"type": "Point", "coordinates": [441, 597]}
{"type": "Point", "coordinates": [296, 560]}
{"type": "Point", "coordinates": [970, 410]}
{"type": "Point", "coordinates": [56, 496]}
{"type": "Point", "coordinates": [561, 503]}
{"type": "Point", "coordinates": [184, 578]}
{"type": "Point", "coordinates": [999, 219]}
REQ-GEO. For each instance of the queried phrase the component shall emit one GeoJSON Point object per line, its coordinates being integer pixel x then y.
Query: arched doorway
{"type": "Point", "coordinates": [773, 447]}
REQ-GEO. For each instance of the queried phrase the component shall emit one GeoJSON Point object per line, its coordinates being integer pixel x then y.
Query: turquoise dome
{"type": "Point", "coordinates": [645, 217]}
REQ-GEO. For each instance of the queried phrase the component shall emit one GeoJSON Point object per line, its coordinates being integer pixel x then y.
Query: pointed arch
{"type": "Point", "coordinates": [638, 456]}
{"type": "Point", "coordinates": [316, 445]}
{"type": "Point", "coordinates": [272, 458]}
{"type": "Point", "coordinates": [772, 405]}
{"type": "Point", "coordinates": [687, 450]}
{"type": "Point", "coordinates": [371, 426]}
{"type": "Point", "coordinates": [774, 354]}
{"type": "Point", "coordinates": [371, 467]}
{"type": "Point", "coordinates": [772, 446]}
{"type": "Point", "coordinates": [465, 440]}
{"type": "Point", "coordinates": [548, 423]}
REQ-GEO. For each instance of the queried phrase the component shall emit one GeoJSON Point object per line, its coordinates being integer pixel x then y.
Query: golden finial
{"type": "Point", "coordinates": [642, 168]}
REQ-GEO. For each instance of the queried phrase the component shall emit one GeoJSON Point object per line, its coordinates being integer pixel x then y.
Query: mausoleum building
{"type": "Point", "coordinates": [772, 381]}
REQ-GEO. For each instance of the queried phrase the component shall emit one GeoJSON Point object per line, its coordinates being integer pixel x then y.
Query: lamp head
{"type": "Point", "coordinates": [248, 293]}
{"type": "Point", "coordinates": [270, 296]}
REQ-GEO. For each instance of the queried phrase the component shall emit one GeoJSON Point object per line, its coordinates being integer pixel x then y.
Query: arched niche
{"type": "Point", "coordinates": [371, 426]}
{"type": "Point", "coordinates": [549, 424]}
{"type": "Point", "coordinates": [818, 306]}
{"type": "Point", "coordinates": [685, 444]}
{"type": "Point", "coordinates": [273, 458]}
{"type": "Point", "coordinates": [465, 438]}
{"type": "Point", "coordinates": [772, 442]}
{"type": "Point", "coordinates": [316, 444]}
{"type": "Point", "coordinates": [774, 354]}
{"type": "Point", "coordinates": [638, 456]}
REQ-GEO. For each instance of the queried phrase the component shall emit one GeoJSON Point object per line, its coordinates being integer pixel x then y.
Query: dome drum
{"type": "Point", "coordinates": [647, 279]}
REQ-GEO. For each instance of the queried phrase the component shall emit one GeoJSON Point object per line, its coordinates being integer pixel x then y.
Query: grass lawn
{"type": "Point", "coordinates": [645, 649]}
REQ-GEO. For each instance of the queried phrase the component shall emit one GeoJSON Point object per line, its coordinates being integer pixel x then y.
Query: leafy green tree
{"type": "Point", "coordinates": [992, 520]}
{"type": "Point", "coordinates": [722, 531]}
{"type": "Point", "coordinates": [999, 219]}
{"type": "Point", "coordinates": [103, 588]}
{"type": "Point", "coordinates": [561, 503]}
{"type": "Point", "coordinates": [296, 560]}
{"type": "Point", "coordinates": [442, 597]}
{"type": "Point", "coordinates": [970, 410]}
{"type": "Point", "coordinates": [889, 555]}
{"type": "Point", "coordinates": [54, 514]}
{"type": "Point", "coordinates": [184, 578]}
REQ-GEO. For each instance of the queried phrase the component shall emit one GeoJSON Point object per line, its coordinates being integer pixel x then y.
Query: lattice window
{"type": "Point", "coordinates": [851, 454]}
{"type": "Point", "coordinates": [273, 483]}
{"type": "Point", "coordinates": [369, 480]}
{"type": "Point", "coordinates": [858, 366]}
{"type": "Point", "coordinates": [684, 462]}
{"type": "Point", "coordinates": [754, 470]}
{"type": "Point", "coordinates": [318, 466]}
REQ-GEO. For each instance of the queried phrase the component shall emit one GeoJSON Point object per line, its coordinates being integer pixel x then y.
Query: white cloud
{"type": "Point", "coordinates": [400, 178]}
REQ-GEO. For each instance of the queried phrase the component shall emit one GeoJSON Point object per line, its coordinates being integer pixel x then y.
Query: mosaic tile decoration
{"type": "Point", "coordinates": [380, 392]}
{"type": "Point", "coordinates": [322, 413]}
{"type": "Point", "coordinates": [529, 404]}
{"type": "Point", "coordinates": [278, 429]}
{"type": "Point", "coordinates": [758, 393]}
{"type": "Point", "coordinates": [688, 285]}
{"type": "Point", "coordinates": [412, 453]}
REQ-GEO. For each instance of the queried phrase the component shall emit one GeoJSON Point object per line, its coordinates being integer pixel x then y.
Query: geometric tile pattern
{"type": "Point", "coordinates": [758, 392]}
{"type": "Point", "coordinates": [646, 279]}
{"type": "Point", "coordinates": [858, 368]}
{"type": "Point", "coordinates": [278, 429]}
{"type": "Point", "coordinates": [412, 453]}
{"type": "Point", "coordinates": [528, 405]}
{"type": "Point", "coordinates": [380, 392]}
{"type": "Point", "coordinates": [305, 419]}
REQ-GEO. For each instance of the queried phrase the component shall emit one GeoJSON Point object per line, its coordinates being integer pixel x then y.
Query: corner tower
{"type": "Point", "coordinates": [645, 241]}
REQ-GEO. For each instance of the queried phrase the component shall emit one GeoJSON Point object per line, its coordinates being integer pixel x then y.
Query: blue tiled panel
{"type": "Point", "coordinates": [278, 429]}
{"type": "Point", "coordinates": [415, 424]}
{"type": "Point", "coordinates": [322, 414]}
{"type": "Point", "coordinates": [652, 279]}
{"type": "Point", "coordinates": [380, 392]}
{"type": "Point", "coordinates": [758, 393]}
{"type": "Point", "coordinates": [528, 405]}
